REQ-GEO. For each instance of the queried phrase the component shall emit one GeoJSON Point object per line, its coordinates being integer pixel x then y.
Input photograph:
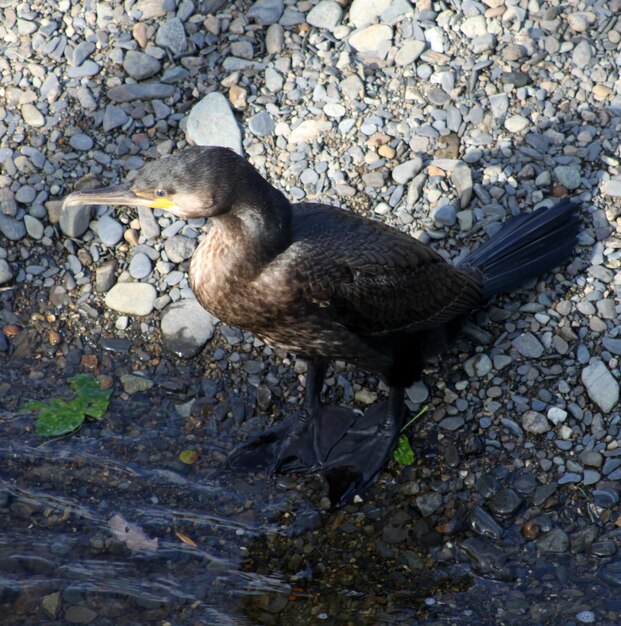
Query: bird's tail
{"type": "Point", "coordinates": [527, 246]}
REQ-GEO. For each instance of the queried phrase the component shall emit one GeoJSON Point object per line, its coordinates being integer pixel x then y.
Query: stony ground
{"type": "Point", "coordinates": [440, 118]}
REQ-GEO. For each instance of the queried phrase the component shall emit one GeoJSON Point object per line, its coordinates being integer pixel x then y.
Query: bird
{"type": "Point", "coordinates": [327, 284]}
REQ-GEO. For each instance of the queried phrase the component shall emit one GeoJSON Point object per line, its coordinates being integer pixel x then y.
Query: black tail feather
{"type": "Point", "coordinates": [527, 246]}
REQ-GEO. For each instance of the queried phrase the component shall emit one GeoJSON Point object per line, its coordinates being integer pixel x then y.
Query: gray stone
{"type": "Point", "coordinates": [327, 14]}
{"type": "Point", "coordinates": [105, 276]}
{"type": "Point", "coordinates": [51, 89]}
{"type": "Point", "coordinates": [462, 179]}
{"type": "Point", "coordinates": [601, 386]}
{"type": "Point", "coordinates": [535, 423]}
{"type": "Point", "coordinates": [150, 9]}
{"type": "Point", "coordinates": [409, 51]}
{"type": "Point", "coordinates": [418, 392]}
{"type": "Point", "coordinates": [374, 40]}
{"type": "Point", "coordinates": [25, 194]}
{"type": "Point", "coordinates": [212, 123]}
{"type": "Point", "coordinates": [261, 124]}
{"type": "Point", "coordinates": [32, 116]}
{"type": "Point", "coordinates": [556, 541]}
{"type": "Point", "coordinates": [528, 345]}
{"type": "Point", "coordinates": [12, 228]}
{"type": "Point", "coordinates": [186, 327]}
{"type": "Point", "coordinates": [499, 104]}
{"type": "Point", "coordinates": [273, 80]}
{"type": "Point", "coordinates": [516, 124]}
{"type": "Point", "coordinates": [34, 227]}
{"type": "Point", "coordinates": [140, 266]}
{"type": "Point", "coordinates": [266, 12]}
{"type": "Point", "coordinates": [179, 248]}
{"type": "Point", "coordinates": [131, 298]}
{"type": "Point", "coordinates": [405, 171]}
{"type": "Point", "coordinates": [5, 272]}
{"type": "Point", "coordinates": [612, 345]}
{"type": "Point", "coordinates": [363, 12]}
{"type": "Point", "coordinates": [582, 54]}
{"type": "Point", "coordinates": [113, 117]}
{"type": "Point", "coordinates": [568, 176]}
{"type": "Point", "coordinates": [478, 366]}
{"type": "Point", "coordinates": [81, 52]}
{"type": "Point", "coordinates": [110, 231]}
{"type": "Point", "coordinates": [87, 69]}
{"type": "Point", "coordinates": [171, 35]}
{"type": "Point", "coordinates": [274, 39]}
{"type": "Point", "coordinates": [133, 383]}
{"type": "Point", "coordinates": [444, 215]}
{"type": "Point", "coordinates": [81, 141]}
{"type": "Point", "coordinates": [140, 65]}
{"type": "Point", "coordinates": [612, 188]}
{"type": "Point", "coordinates": [75, 220]}
{"type": "Point", "coordinates": [140, 91]}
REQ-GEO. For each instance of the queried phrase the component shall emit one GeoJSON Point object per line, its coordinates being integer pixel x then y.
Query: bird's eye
{"type": "Point", "coordinates": [160, 193]}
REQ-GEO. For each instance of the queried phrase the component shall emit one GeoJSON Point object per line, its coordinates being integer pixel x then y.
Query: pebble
{"type": "Point", "coordinates": [478, 366]}
{"type": "Point", "coordinates": [5, 272]}
{"type": "Point", "coordinates": [505, 502]}
{"type": "Point", "coordinates": [444, 215]}
{"type": "Point", "coordinates": [261, 124]}
{"type": "Point", "coordinates": [110, 231]}
{"type": "Point", "coordinates": [131, 298]}
{"type": "Point", "coordinates": [409, 52]}
{"type": "Point", "coordinates": [74, 221]}
{"type": "Point", "coordinates": [556, 541]}
{"type": "Point", "coordinates": [32, 116]}
{"type": "Point", "coordinates": [516, 124]}
{"type": "Point", "coordinates": [528, 345]}
{"type": "Point", "coordinates": [81, 142]}
{"type": "Point", "coordinates": [211, 123]}
{"type": "Point", "coordinates": [582, 54]}
{"type": "Point", "coordinates": [373, 40]}
{"type": "Point", "coordinates": [133, 383]}
{"type": "Point", "coordinates": [405, 171]}
{"type": "Point", "coordinates": [568, 176]}
{"type": "Point", "coordinates": [535, 423]}
{"type": "Point", "coordinates": [13, 229]}
{"type": "Point", "coordinates": [363, 12]}
{"type": "Point", "coordinates": [266, 12]}
{"type": "Point", "coordinates": [179, 248]}
{"type": "Point", "coordinates": [139, 65]}
{"type": "Point", "coordinates": [34, 227]}
{"type": "Point", "coordinates": [171, 35]}
{"type": "Point", "coordinates": [113, 117]}
{"type": "Point", "coordinates": [327, 14]}
{"type": "Point", "coordinates": [140, 266]}
{"type": "Point", "coordinates": [140, 91]}
{"type": "Point", "coordinates": [186, 327]}
{"type": "Point", "coordinates": [601, 385]}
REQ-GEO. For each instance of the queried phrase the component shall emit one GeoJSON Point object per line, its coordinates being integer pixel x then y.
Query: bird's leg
{"type": "Point", "coordinates": [296, 442]}
{"type": "Point", "coordinates": [358, 458]}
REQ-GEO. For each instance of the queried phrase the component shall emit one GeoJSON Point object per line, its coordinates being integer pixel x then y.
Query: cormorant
{"type": "Point", "coordinates": [325, 283]}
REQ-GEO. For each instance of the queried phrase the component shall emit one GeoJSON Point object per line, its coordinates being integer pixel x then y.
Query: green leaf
{"type": "Point", "coordinates": [60, 416]}
{"type": "Point", "coordinates": [403, 453]}
{"type": "Point", "coordinates": [188, 457]}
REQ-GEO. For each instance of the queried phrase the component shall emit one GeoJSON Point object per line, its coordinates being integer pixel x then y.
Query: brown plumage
{"type": "Point", "coordinates": [326, 283]}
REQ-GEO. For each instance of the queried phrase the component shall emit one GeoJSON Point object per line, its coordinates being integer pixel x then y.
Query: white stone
{"type": "Point", "coordinates": [474, 26]}
{"type": "Point", "coordinates": [363, 12]}
{"type": "Point", "coordinates": [516, 124]}
{"type": "Point", "coordinates": [375, 39]}
{"type": "Point", "coordinates": [131, 298]}
{"type": "Point", "coordinates": [308, 131]}
{"type": "Point", "coordinates": [211, 123]}
{"type": "Point", "coordinates": [327, 14]}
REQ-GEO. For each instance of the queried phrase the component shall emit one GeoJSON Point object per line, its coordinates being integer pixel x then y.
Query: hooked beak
{"type": "Point", "coordinates": [116, 195]}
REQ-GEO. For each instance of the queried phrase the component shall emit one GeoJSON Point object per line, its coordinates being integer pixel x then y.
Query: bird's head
{"type": "Point", "coordinates": [201, 181]}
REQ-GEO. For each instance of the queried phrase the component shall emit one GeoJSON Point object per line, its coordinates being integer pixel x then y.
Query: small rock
{"type": "Point", "coordinates": [363, 12]}
{"type": "Point", "coordinates": [5, 272]}
{"type": "Point", "coordinates": [478, 366]}
{"type": "Point", "coordinates": [516, 124]}
{"type": "Point", "coordinates": [140, 266]}
{"type": "Point", "coordinates": [113, 117]}
{"type": "Point", "coordinates": [528, 345]}
{"type": "Point", "coordinates": [407, 170]}
{"type": "Point", "coordinates": [34, 227]}
{"type": "Point", "coordinates": [261, 124]}
{"type": "Point", "coordinates": [12, 228]}
{"type": "Point", "coordinates": [308, 131]}
{"type": "Point", "coordinates": [374, 40]}
{"type": "Point", "coordinates": [461, 178]}
{"type": "Point", "coordinates": [445, 215]}
{"type": "Point", "coordinates": [601, 386]}
{"type": "Point", "coordinates": [179, 248]}
{"type": "Point", "coordinates": [133, 384]}
{"type": "Point", "coordinates": [140, 91]}
{"type": "Point", "coordinates": [327, 14]}
{"type": "Point", "coordinates": [409, 51]}
{"type": "Point", "coordinates": [274, 39]}
{"type": "Point", "coordinates": [211, 123]}
{"type": "Point", "coordinates": [556, 541]}
{"type": "Point", "coordinates": [32, 116]}
{"type": "Point", "coordinates": [81, 142]}
{"type": "Point", "coordinates": [557, 415]}
{"type": "Point", "coordinates": [568, 176]}
{"type": "Point", "coordinates": [110, 231]}
{"type": "Point", "coordinates": [140, 65]}
{"type": "Point", "coordinates": [582, 54]}
{"type": "Point", "coordinates": [535, 423]}
{"type": "Point", "coordinates": [131, 298]}
{"type": "Point", "coordinates": [266, 12]}
{"type": "Point", "coordinates": [186, 327]}
{"type": "Point", "coordinates": [171, 35]}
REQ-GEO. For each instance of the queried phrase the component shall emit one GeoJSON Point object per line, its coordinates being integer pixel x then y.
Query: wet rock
{"type": "Point", "coordinates": [556, 541]}
{"type": "Point", "coordinates": [80, 615]}
{"type": "Point", "coordinates": [485, 558]}
{"type": "Point", "coordinates": [429, 503]}
{"type": "Point", "coordinates": [51, 604]}
{"type": "Point", "coordinates": [505, 502]}
{"type": "Point", "coordinates": [484, 524]}
{"type": "Point", "coordinates": [186, 327]}
{"type": "Point", "coordinates": [133, 383]}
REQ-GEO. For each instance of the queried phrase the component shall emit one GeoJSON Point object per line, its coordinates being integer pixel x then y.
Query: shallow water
{"type": "Point", "coordinates": [108, 526]}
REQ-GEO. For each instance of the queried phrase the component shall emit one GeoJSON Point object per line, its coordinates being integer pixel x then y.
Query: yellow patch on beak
{"type": "Point", "coordinates": [162, 203]}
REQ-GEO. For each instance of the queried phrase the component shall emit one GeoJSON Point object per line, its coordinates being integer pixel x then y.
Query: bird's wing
{"type": "Point", "coordinates": [374, 279]}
